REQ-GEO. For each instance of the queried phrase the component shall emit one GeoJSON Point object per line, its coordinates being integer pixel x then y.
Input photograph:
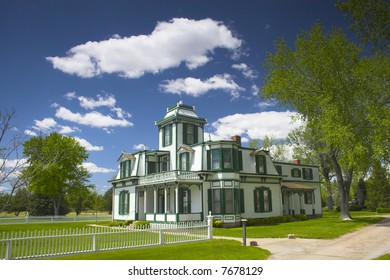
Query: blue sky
{"type": "Point", "coordinates": [105, 71]}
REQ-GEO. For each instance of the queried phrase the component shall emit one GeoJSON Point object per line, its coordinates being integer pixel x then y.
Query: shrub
{"type": "Point", "coordinates": [141, 224]}
{"type": "Point", "coordinates": [382, 210]}
{"type": "Point", "coordinates": [300, 217]}
{"type": "Point", "coordinates": [217, 224]}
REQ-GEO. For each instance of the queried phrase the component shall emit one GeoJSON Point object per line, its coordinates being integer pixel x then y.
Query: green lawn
{"type": "Point", "coordinates": [384, 257]}
{"type": "Point", "coordinates": [328, 227]}
{"type": "Point", "coordinates": [216, 249]}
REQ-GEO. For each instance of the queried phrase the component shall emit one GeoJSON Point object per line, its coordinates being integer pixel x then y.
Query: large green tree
{"type": "Point", "coordinates": [57, 161]}
{"type": "Point", "coordinates": [378, 187]}
{"type": "Point", "coordinates": [342, 97]}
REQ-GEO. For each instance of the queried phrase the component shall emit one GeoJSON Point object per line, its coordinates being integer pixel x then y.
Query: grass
{"type": "Point", "coordinates": [328, 227]}
{"type": "Point", "coordinates": [217, 249]}
{"type": "Point", "coordinates": [384, 257]}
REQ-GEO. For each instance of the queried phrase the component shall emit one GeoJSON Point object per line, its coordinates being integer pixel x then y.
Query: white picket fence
{"type": "Point", "coordinates": [38, 244]}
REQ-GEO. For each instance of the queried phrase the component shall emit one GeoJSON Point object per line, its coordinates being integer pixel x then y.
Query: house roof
{"type": "Point", "coordinates": [184, 149]}
{"type": "Point", "coordinates": [183, 112]}
{"type": "Point", "coordinates": [125, 156]}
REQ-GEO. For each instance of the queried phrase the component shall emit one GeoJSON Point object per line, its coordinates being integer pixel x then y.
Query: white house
{"type": "Point", "coordinates": [187, 177]}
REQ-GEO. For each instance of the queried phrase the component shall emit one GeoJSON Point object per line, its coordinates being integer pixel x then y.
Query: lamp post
{"type": "Point", "coordinates": [244, 221]}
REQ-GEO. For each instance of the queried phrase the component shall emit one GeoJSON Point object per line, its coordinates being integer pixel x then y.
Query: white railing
{"type": "Point", "coordinates": [168, 176]}
{"type": "Point", "coordinates": [38, 244]}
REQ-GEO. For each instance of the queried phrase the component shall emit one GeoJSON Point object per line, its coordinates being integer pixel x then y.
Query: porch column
{"type": "Point", "coordinates": [155, 196]}
{"type": "Point", "coordinates": [292, 204]}
{"type": "Point", "coordinates": [177, 199]}
{"type": "Point", "coordinates": [166, 200]}
{"type": "Point", "coordinates": [145, 200]}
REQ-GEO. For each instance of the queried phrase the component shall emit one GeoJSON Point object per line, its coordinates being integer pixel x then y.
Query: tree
{"type": "Point", "coordinates": [309, 151]}
{"type": "Point", "coordinates": [370, 21]}
{"type": "Point", "coordinates": [341, 96]}
{"type": "Point", "coordinates": [277, 147]}
{"type": "Point", "coordinates": [107, 200]}
{"type": "Point", "coordinates": [378, 188]}
{"type": "Point", "coordinates": [10, 160]}
{"type": "Point", "coordinates": [19, 201]}
{"type": "Point", "coordinates": [57, 160]}
{"type": "Point", "coordinates": [78, 198]}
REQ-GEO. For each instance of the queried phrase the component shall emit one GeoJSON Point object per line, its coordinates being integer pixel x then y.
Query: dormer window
{"type": "Point", "coordinates": [190, 134]}
{"type": "Point", "coordinates": [167, 135]}
{"type": "Point", "coordinates": [125, 168]}
{"type": "Point", "coordinates": [261, 167]}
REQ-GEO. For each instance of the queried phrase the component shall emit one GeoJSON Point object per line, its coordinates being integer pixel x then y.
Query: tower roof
{"type": "Point", "coordinates": [181, 112]}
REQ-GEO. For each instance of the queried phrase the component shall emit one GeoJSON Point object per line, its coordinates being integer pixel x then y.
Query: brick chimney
{"type": "Point", "coordinates": [237, 139]}
{"type": "Point", "coordinates": [297, 161]}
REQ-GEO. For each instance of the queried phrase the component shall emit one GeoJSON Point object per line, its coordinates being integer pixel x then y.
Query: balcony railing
{"type": "Point", "coordinates": [170, 176]}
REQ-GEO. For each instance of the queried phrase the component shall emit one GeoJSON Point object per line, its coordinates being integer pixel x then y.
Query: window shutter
{"type": "Point", "coordinates": [163, 136]}
{"type": "Point", "coordinates": [242, 203]}
{"type": "Point", "coordinates": [270, 200]}
{"type": "Point", "coordinates": [189, 200]}
{"type": "Point", "coordinates": [180, 201]}
{"type": "Point", "coordinates": [235, 160]}
{"type": "Point", "coordinates": [209, 201]}
{"type": "Point", "coordinates": [255, 200]}
{"type": "Point", "coordinates": [195, 134]}
{"type": "Point", "coordinates": [187, 155]}
{"type": "Point", "coordinates": [240, 166]}
{"type": "Point", "coordinates": [209, 160]}
{"type": "Point", "coordinates": [128, 168]}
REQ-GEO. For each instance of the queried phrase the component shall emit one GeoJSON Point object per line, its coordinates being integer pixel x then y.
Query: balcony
{"type": "Point", "coordinates": [170, 176]}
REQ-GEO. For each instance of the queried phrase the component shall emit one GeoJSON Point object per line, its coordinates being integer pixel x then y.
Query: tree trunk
{"type": "Point", "coordinates": [343, 185]}
{"type": "Point", "coordinates": [57, 205]}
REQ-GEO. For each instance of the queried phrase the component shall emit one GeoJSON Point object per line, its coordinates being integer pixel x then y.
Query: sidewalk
{"type": "Point", "coordinates": [364, 244]}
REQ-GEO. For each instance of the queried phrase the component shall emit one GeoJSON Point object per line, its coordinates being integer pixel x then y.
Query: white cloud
{"type": "Point", "coordinates": [90, 103]}
{"type": "Point", "coordinates": [30, 132]}
{"type": "Point", "coordinates": [246, 70]}
{"type": "Point", "coordinates": [255, 126]}
{"type": "Point", "coordinates": [48, 125]}
{"type": "Point", "coordinates": [93, 168]}
{"type": "Point", "coordinates": [197, 87]}
{"type": "Point", "coordinates": [93, 119]}
{"type": "Point", "coordinates": [170, 44]}
{"type": "Point", "coordinates": [88, 146]}
{"type": "Point", "coordinates": [140, 147]}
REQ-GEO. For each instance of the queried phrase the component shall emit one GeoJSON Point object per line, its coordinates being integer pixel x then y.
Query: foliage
{"type": "Point", "coordinates": [141, 224]}
{"type": "Point", "coordinates": [371, 21]}
{"type": "Point", "coordinates": [217, 224]}
{"type": "Point", "coordinates": [269, 220]}
{"type": "Point", "coordinates": [340, 95]}
{"type": "Point", "coordinates": [40, 205]}
{"type": "Point", "coordinates": [57, 161]}
{"type": "Point", "coordinates": [378, 188]}
{"type": "Point", "coordinates": [121, 223]}
{"type": "Point", "coordinates": [382, 210]}
{"type": "Point", "coordinates": [300, 217]}
{"type": "Point", "coordinates": [278, 148]}
{"type": "Point", "coordinates": [19, 201]}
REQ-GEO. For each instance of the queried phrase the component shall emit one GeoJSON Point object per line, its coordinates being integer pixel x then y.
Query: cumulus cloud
{"type": "Point", "coordinates": [254, 126]}
{"type": "Point", "coordinates": [93, 168]}
{"type": "Point", "coordinates": [171, 43]}
{"type": "Point", "coordinates": [197, 87]}
{"type": "Point", "coordinates": [140, 147]}
{"type": "Point", "coordinates": [245, 70]}
{"type": "Point", "coordinates": [48, 125]}
{"type": "Point", "coordinates": [88, 146]}
{"type": "Point", "coordinates": [93, 119]}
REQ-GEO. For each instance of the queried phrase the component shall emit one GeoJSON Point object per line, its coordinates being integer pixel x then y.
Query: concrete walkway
{"type": "Point", "coordinates": [364, 244]}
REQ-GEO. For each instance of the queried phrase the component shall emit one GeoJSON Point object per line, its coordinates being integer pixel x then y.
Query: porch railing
{"type": "Point", "coordinates": [163, 177]}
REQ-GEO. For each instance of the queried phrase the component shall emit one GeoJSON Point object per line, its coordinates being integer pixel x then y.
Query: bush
{"type": "Point", "coordinates": [141, 224]}
{"type": "Point", "coordinates": [269, 220]}
{"type": "Point", "coordinates": [382, 210]}
{"type": "Point", "coordinates": [300, 217]}
{"type": "Point", "coordinates": [217, 224]}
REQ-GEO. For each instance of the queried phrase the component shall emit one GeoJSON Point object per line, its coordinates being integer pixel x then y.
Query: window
{"type": "Point", "coordinates": [151, 166]}
{"type": "Point", "coordinates": [184, 201]}
{"type": "Point", "coordinates": [216, 202]}
{"type": "Point", "coordinates": [161, 201]}
{"type": "Point", "coordinates": [279, 169]}
{"type": "Point", "coordinates": [295, 172]}
{"type": "Point", "coordinates": [229, 201]}
{"type": "Point", "coordinates": [215, 159]}
{"type": "Point", "coordinates": [167, 135]}
{"type": "Point", "coordinates": [307, 173]}
{"type": "Point", "coordinates": [227, 159]}
{"type": "Point", "coordinates": [190, 134]}
{"type": "Point", "coordinates": [262, 200]}
{"type": "Point", "coordinates": [309, 197]}
{"type": "Point", "coordinates": [125, 169]}
{"type": "Point", "coordinates": [164, 163]}
{"type": "Point", "coordinates": [261, 167]}
{"type": "Point", "coordinates": [124, 199]}
{"type": "Point", "coordinates": [184, 163]}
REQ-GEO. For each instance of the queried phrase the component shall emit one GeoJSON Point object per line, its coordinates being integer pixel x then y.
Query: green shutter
{"type": "Point", "coordinates": [189, 200]}
{"type": "Point", "coordinates": [195, 134]}
{"type": "Point", "coordinates": [242, 201]}
{"type": "Point", "coordinates": [180, 201]}
{"type": "Point", "coordinates": [255, 200]}
{"type": "Point", "coordinates": [163, 136]}
{"type": "Point", "coordinates": [235, 160]}
{"type": "Point", "coordinates": [270, 200]}
{"type": "Point", "coordinates": [129, 168]}
{"type": "Point", "coordinates": [209, 201]}
{"type": "Point", "coordinates": [187, 155]}
{"type": "Point", "coordinates": [208, 159]}
{"type": "Point", "coordinates": [240, 165]}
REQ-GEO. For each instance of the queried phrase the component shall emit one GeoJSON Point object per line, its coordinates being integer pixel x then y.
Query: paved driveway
{"type": "Point", "coordinates": [364, 244]}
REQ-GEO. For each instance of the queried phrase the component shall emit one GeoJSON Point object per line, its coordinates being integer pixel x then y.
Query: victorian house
{"type": "Point", "coordinates": [188, 177]}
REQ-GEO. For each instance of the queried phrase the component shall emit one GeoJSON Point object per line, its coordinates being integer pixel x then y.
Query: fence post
{"type": "Point", "coordinates": [161, 237]}
{"type": "Point", "coordinates": [210, 226]}
{"type": "Point", "coordinates": [94, 242]}
{"type": "Point", "coordinates": [8, 250]}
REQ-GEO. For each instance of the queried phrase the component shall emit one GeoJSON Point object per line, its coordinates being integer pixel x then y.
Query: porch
{"type": "Point", "coordinates": [170, 176]}
{"type": "Point", "coordinates": [173, 218]}
{"type": "Point", "coordinates": [298, 198]}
